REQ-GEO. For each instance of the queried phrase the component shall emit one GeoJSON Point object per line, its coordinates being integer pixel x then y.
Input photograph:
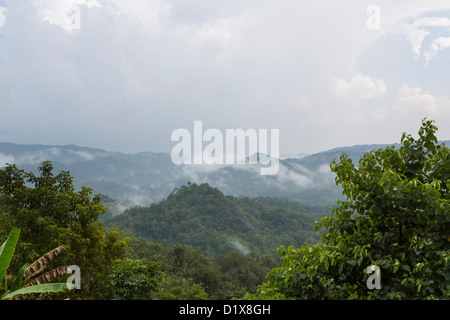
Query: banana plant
{"type": "Point", "coordinates": [38, 286]}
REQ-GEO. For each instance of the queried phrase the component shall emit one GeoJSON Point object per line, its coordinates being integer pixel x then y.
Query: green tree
{"type": "Point", "coordinates": [205, 218]}
{"type": "Point", "coordinates": [396, 216]}
{"type": "Point", "coordinates": [18, 287]}
{"type": "Point", "coordinates": [241, 273]}
{"type": "Point", "coordinates": [132, 279]}
{"type": "Point", "coordinates": [189, 274]}
{"type": "Point", "coordinates": [51, 213]}
{"type": "Point", "coordinates": [178, 288]}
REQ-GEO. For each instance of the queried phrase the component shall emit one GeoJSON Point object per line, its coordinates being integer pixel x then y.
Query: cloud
{"type": "Point", "coordinates": [360, 87]}
{"type": "Point", "coordinates": [409, 107]}
{"type": "Point", "coordinates": [237, 245]}
{"type": "Point", "coordinates": [431, 22]}
{"type": "Point", "coordinates": [300, 177]}
{"type": "Point", "coordinates": [83, 154]}
{"type": "Point", "coordinates": [420, 29]}
{"type": "Point", "coordinates": [5, 159]}
{"type": "Point", "coordinates": [216, 32]}
{"type": "Point", "coordinates": [7, 92]}
{"type": "Point", "coordinates": [416, 38]}
{"type": "Point", "coordinates": [437, 45]}
{"type": "Point", "coordinates": [38, 156]}
{"type": "Point", "coordinates": [136, 70]}
{"type": "Point", "coordinates": [62, 12]}
{"type": "Point", "coordinates": [2, 16]}
{"type": "Point", "coordinates": [412, 98]}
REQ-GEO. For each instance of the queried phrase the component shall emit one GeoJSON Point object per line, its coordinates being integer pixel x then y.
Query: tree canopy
{"type": "Point", "coordinates": [396, 217]}
{"type": "Point", "coordinates": [388, 239]}
{"type": "Point", "coordinates": [202, 216]}
{"type": "Point", "coordinates": [50, 213]}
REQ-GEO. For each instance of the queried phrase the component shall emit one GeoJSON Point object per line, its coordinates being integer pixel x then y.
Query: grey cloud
{"type": "Point", "coordinates": [136, 71]}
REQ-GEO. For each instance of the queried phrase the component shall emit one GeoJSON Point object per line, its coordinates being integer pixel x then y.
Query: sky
{"type": "Point", "coordinates": [123, 75]}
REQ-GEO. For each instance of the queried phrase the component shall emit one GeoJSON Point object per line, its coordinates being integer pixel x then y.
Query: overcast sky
{"type": "Point", "coordinates": [122, 75]}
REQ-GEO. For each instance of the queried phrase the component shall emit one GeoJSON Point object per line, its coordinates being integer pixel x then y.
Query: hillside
{"type": "Point", "coordinates": [205, 218]}
{"type": "Point", "coordinates": [148, 177]}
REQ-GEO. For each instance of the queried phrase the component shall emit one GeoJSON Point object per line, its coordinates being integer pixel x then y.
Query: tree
{"type": "Point", "coordinates": [396, 217]}
{"type": "Point", "coordinates": [132, 279]}
{"type": "Point", "coordinates": [177, 288]}
{"type": "Point", "coordinates": [37, 285]}
{"type": "Point", "coordinates": [51, 213]}
{"type": "Point", "coordinates": [241, 273]}
{"type": "Point", "coordinates": [202, 216]}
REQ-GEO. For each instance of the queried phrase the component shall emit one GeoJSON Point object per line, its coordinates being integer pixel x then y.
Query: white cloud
{"type": "Point", "coordinates": [437, 45]}
{"type": "Point", "coordinates": [410, 106]}
{"type": "Point", "coordinates": [412, 100]}
{"type": "Point", "coordinates": [416, 38]}
{"type": "Point", "coordinates": [2, 16]}
{"type": "Point", "coordinates": [431, 22]}
{"type": "Point", "coordinates": [237, 245]}
{"type": "Point", "coordinates": [38, 156]}
{"type": "Point", "coordinates": [419, 30]}
{"type": "Point", "coordinates": [6, 158]}
{"type": "Point", "coordinates": [360, 87]}
{"type": "Point", "coordinates": [59, 12]}
{"type": "Point", "coordinates": [406, 112]}
{"type": "Point", "coordinates": [83, 154]}
{"type": "Point", "coordinates": [287, 176]}
{"type": "Point", "coordinates": [324, 168]}
{"type": "Point", "coordinates": [217, 32]}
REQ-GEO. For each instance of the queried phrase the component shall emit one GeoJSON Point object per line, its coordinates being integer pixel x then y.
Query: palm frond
{"type": "Point", "coordinates": [48, 276]}
{"type": "Point", "coordinates": [40, 264]}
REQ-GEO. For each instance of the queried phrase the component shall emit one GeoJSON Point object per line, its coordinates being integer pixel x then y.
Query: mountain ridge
{"type": "Point", "coordinates": [147, 177]}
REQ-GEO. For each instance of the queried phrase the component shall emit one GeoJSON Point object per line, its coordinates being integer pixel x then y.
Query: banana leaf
{"type": "Point", "coordinates": [7, 251]}
{"type": "Point", "coordinates": [47, 287]}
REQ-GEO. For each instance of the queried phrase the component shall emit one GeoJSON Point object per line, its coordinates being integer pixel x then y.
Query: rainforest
{"type": "Point", "coordinates": [198, 243]}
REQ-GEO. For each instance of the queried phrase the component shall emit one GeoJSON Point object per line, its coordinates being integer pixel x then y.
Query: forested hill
{"type": "Point", "coordinates": [205, 218]}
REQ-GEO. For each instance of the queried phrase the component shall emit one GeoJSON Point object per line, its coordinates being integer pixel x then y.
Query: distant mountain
{"type": "Point", "coordinates": [293, 156]}
{"type": "Point", "coordinates": [316, 160]}
{"type": "Point", "coordinates": [131, 178]}
{"type": "Point", "coordinates": [147, 177]}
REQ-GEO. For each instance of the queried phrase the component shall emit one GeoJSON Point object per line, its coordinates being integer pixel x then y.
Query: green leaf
{"type": "Point", "coordinates": [47, 287]}
{"type": "Point", "coordinates": [351, 262]}
{"type": "Point", "coordinates": [7, 251]}
{"type": "Point", "coordinates": [17, 284]}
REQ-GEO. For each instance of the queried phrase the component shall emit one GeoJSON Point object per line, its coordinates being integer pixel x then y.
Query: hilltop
{"type": "Point", "coordinates": [202, 216]}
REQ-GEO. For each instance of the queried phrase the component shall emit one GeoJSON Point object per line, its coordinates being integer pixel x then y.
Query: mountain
{"type": "Point", "coordinates": [216, 224]}
{"type": "Point", "coordinates": [293, 156]}
{"type": "Point", "coordinates": [133, 179]}
{"type": "Point", "coordinates": [148, 177]}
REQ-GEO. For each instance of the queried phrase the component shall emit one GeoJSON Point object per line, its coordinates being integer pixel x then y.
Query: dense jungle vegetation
{"type": "Point", "coordinates": [200, 244]}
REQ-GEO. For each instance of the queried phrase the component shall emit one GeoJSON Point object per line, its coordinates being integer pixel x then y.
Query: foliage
{"type": "Point", "coordinates": [241, 274]}
{"type": "Point", "coordinates": [132, 280]}
{"type": "Point", "coordinates": [180, 289]}
{"type": "Point", "coordinates": [186, 273]}
{"type": "Point", "coordinates": [205, 218]}
{"type": "Point", "coordinates": [50, 212]}
{"type": "Point", "coordinates": [38, 285]}
{"type": "Point", "coordinates": [396, 216]}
